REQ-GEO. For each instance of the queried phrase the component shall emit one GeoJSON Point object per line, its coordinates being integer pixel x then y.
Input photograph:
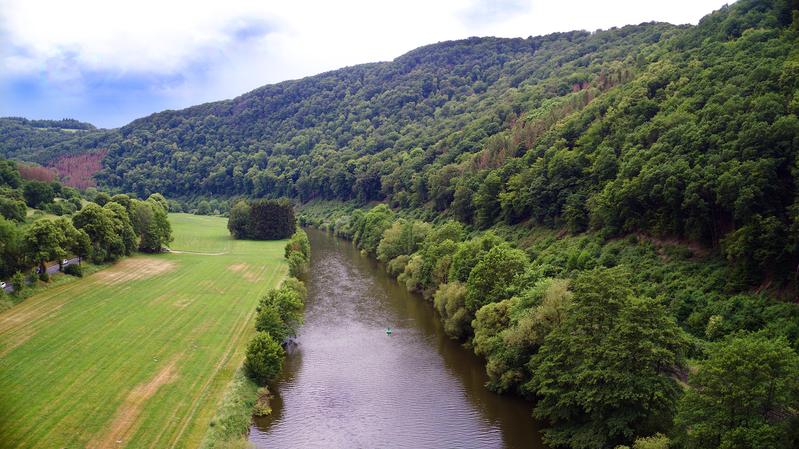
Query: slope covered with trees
{"type": "Point", "coordinates": [685, 132]}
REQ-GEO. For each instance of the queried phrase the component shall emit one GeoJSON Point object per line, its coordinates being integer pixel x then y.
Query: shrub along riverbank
{"type": "Point", "coordinates": [278, 318]}
{"type": "Point", "coordinates": [602, 333]}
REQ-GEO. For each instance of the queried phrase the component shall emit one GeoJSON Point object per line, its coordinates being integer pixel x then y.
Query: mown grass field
{"type": "Point", "coordinates": [139, 354]}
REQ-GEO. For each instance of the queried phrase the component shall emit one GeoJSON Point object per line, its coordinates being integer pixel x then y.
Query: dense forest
{"type": "Point", "coordinates": [686, 132]}
{"type": "Point", "coordinates": [619, 341]}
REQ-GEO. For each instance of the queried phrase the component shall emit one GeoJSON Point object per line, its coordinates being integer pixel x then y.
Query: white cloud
{"type": "Point", "coordinates": [208, 50]}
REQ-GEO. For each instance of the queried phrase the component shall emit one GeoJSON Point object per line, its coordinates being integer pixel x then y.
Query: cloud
{"type": "Point", "coordinates": [483, 12]}
{"type": "Point", "coordinates": [111, 61]}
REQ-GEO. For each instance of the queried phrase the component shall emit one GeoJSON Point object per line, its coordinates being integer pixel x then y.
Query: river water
{"type": "Point", "coordinates": [347, 384]}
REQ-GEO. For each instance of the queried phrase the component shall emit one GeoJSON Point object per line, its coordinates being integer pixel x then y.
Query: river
{"type": "Point", "coordinates": [347, 384]}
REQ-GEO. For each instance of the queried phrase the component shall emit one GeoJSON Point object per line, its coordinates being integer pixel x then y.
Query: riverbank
{"type": "Point", "coordinates": [278, 314]}
{"type": "Point", "coordinates": [521, 297]}
{"type": "Point", "coordinates": [356, 386]}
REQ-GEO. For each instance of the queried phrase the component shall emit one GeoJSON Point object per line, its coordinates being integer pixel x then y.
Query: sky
{"type": "Point", "coordinates": [111, 61]}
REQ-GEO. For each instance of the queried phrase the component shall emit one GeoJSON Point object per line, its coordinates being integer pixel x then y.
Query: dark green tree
{"type": "Point", "coordinates": [264, 358]}
{"type": "Point", "coordinates": [603, 375]}
{"type": "Point", "coordinates": [743, 396]}
{"type": "Point", "coordinates": [238, 221]}
{"type": "Point", "coordinates": [494, 273]}
{"type": "Point", "coordinates": [37, 193]}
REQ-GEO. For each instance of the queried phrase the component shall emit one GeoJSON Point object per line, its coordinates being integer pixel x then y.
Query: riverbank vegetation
{"type": "Point", "coordinates": [615, 339]}
{"type": "Point", "coordinates": [278, 317]}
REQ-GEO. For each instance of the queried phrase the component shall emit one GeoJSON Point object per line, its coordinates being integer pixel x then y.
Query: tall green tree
{"type": "Point", "coordinates": [44, 241]}
{"type": "Point", "coordinates": [494, 273]}
{"type": "Point", "coordinates": [238, 219]}
{"type": "Point", "coordinates": [11, 248]}
{"type": "Point", "coordinates": [38, 193]}
{"type": "Point", "coordinates": [603, 375]}
{"type": "Point", "coordinates": [745, 395]}
{"type": "Point", "coordinates": [264, 358]}
{"type": "Point", "coordinates": [9, 174]}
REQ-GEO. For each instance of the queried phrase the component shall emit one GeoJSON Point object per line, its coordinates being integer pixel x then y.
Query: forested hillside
{"type": "Point", "coordinates": [686, 132]}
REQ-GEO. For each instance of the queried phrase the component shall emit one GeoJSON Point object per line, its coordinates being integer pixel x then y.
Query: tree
{"type": "Point", "coordinates": [264, 358]}
{"type": "Point", "coordinates": [369, 228]}
{"type": "Point", "coordinates": [124, 201]}
{"type": "Point", "coordinates": [493, 274]}
{"type": "Point", "coordinates": [151, 222]}
{"type": "Point", "coordinates": [742, 396]}
{"type": "Point", "coordinates": [11, 252]}
{"type": "Point", "coordinates": [288, 302]}
{"type": "Point", "coordinates": [9, 174]}
{"type": "Point", "coordinates": [204, 208]}
{"type": "Point", "coordinates": [469, 253]}
{"type": "Point", "coordinates": [76, 241]}
{"type": "Point", "coordinates": [13, 209]}
{"type": "Point", "coordinates": [269, 320]}
{"type": "Point", "coordinates": [44, 241]}
{"type": "Point", "coordinates": [238, 220]}
{"type": "Point", "coordinates": [38, 193]}
{"type": "Point", "coordinates": [158, 198]}
{"type": "Point", "coordinates": [123, 227]}
{"type": "Point", "coordinates": [262, 219]}
{"type": "Point", "coordinates": [449, 301]}
{"type": "Point", "coordinates": [509, 332]}
{"type": "Point", "coordinates": [402, 238]}
{"type": "Point", "coordinates": [603, 376]}
{"type": "Point", "coordinates": [486, 201]}
{"type": "Point", "coordinates": [102, 198]}
{"type": "Point", "coordinates": [97, 224]}
{"type": "Point", "coordinates": [109, 230]}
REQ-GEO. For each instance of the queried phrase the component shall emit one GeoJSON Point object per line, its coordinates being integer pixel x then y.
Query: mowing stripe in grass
{"type": "Point", "coordinates": [82, 349]}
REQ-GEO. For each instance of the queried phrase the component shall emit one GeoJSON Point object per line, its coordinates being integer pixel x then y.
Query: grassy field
{"type": "Point", "coordinates": [136, 355]}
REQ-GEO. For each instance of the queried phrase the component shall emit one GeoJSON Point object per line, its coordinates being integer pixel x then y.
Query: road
{"type": "Point", "coordinates": [52, 269]}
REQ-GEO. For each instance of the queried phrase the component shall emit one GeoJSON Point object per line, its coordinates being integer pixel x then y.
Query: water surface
{"type": "Point", "coordinates": [349, 385]}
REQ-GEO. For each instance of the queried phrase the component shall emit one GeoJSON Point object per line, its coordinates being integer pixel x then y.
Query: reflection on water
{"type": "Point", "coordinates": [347, 384]}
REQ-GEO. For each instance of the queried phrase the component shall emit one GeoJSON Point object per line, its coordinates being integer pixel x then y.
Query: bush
{"type": "Point", "coordinates": [231, 422]}
{"type": "Point", "coordinates": [396, 266]}
{"type": "Point", "coordinates": [44, 277]}
{"type": "Point", "coordinates": [264, 358]}
{"type": "Point", "coordinates": [295, 285]}
{"type": "Point", "coordinates": [449, 300]}
{"type": "Point", "coordinates": [298, 266]}
{"type": "Point", "coordinates": [288, 303]}
{"type": "Point", "coordinates": [262, 407]}
{"type": "Point", "coordinates": [18, 282]}
{"type": "Point", "coordinates": [269, 320]}
{"type": "Point", "coordinates": [299, 243]}
{"type": "Point", "coordinates": [74, 270]}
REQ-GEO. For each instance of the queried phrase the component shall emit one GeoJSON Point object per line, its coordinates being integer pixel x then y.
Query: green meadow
{"type": "Point", "coordinates": [137, 355]}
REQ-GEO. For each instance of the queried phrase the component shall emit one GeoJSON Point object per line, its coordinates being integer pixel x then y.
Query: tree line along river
{"type": "Point", "coordinates": [347, 383]}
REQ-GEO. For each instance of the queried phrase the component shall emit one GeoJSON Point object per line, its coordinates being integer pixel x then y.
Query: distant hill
{"type": "Point", "coordinates": [686, 131]}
